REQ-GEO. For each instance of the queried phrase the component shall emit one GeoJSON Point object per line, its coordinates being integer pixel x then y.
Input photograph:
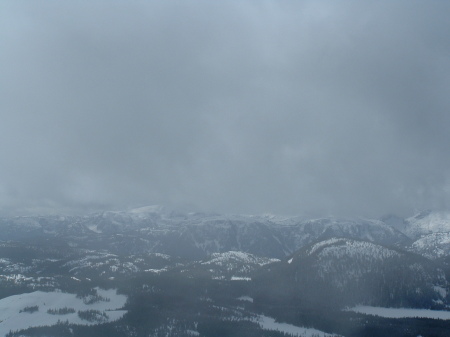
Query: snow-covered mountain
{"type": "Point", "coordinates": [234, 266]}
{"type": "Point", "coordinates": [156, 229]}
{"type": "Point", "coordinates": [433, 246]}
{"type": "Point", "coordinates": [303, 233]}
{"type": "Point", "coordinates": [429, 232]}
{"type": "Point", "coordinates": [200, 274]}
{"type": "Point", "coordinates": [427, 222]}
{"type": "Point", "coordinates": [192, 235]}
{"type": "Point", "coordinates": [348, 272]}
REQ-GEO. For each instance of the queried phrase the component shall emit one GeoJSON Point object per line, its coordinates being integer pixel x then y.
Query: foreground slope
{"type": "Point", "coordinates": [344, 272]}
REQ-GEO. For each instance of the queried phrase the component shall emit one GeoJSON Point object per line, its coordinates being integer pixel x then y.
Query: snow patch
{"type": "Point", "coordinates": [94, 229]}
{"type": "Point", "coordinates": [156, 271]}
{"type": "Point", "coordinates": [441, 291]}
{"type": "Point", "coordinates": [401, 312]}
{"type": "Point", "coordinates": [268, 323]}
{"type": "Point", "coordinates": [246, 298]}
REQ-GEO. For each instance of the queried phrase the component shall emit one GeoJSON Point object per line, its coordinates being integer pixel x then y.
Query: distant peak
{"type": "Point", "coordinates": [148, 209]}
{"type": "Point", "coordinates": [423, 214]}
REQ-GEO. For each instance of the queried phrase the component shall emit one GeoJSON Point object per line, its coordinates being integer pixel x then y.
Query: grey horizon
{"type": "Point", "coordinates": [237, 107]}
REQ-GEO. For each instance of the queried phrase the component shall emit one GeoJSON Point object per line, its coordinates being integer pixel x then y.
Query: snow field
{"type": "Point", "coordinates": [268, 323]}
{"type": "Point", "coordinates": [12, 319]}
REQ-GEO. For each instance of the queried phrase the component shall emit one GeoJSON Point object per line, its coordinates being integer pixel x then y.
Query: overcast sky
{"type": "Point", "coordinates": [288, 107]}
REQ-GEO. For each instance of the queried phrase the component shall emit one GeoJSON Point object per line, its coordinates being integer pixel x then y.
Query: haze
{"type": "Point", "coordinates": [289, 107]}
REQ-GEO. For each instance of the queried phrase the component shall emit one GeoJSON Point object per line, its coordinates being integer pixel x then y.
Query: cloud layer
{"type": "Point", "coordinates": [245, 107]}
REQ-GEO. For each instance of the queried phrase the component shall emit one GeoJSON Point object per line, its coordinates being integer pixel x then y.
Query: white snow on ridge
{"type": "Point", "coordinates": [245, 298]}
{"type": "Point", "coordinates": [227, 257]}
{"type": "Point", "coordinates": [156, 271]}
{"type": "Point", "coordinates": [146, 211]}
{"type": "Point", "coordinates": [163, 256]}
{"type": "Point", "coordinates": [321, 244]}
{"type": "Point", "coordinates": [338, 247]}
{"type": "Point", "coordinates": [238, 278]}
{"type": "Point", "coordinates": [94, 229]}
{"type": "Point", "coordinates": [434, 245]}
{"type": "Point", "coordinates": [12, 319]}
{"type": "Point", "coordinates": [426, 223]}
{"type": "Point", "coordinates": [360, 248]}
{"type": "Point", "coordinates": [219, 257]}
{"type": "Point", "coordinates": [401, 312]}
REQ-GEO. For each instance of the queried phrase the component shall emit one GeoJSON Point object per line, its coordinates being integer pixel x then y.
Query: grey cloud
{"type": "Point", "coordinates": [285, 107]}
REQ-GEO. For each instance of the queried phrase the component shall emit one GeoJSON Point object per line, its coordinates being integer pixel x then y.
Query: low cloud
{"type": "Point", "coordinates": [305, 107]}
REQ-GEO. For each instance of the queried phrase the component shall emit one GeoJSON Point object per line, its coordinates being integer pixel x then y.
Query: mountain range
{"type": "Point", "coordinates": [272, 263]}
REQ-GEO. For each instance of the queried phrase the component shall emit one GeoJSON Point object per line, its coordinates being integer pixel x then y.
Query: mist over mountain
{"type": "Point", "coordinates": [236, 107]}
{"type": "Point", "coordinates": [241, 273]}
{"type": "Point", "coordinates": [296, 146]}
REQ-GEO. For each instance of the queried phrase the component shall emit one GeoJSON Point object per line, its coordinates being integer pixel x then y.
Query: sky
{"type": "Point", "coordinates": [286, 107]}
